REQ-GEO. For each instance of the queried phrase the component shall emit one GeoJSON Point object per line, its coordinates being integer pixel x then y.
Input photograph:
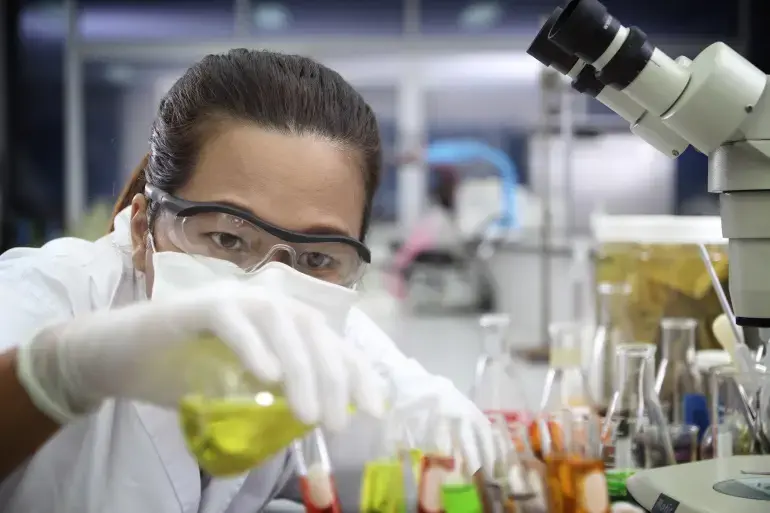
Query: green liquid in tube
{"type": "Point", "coordinates": [460, 498]}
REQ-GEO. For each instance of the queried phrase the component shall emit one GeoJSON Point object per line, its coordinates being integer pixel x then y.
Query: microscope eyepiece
{"type": "Point", "coordinates": [585, 28]}
{"type": "Point", "coordinates": [548, 52]}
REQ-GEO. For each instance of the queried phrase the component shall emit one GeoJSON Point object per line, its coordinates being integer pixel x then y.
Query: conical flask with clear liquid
{"type": "Point", "coordinates": [634, 407]}
{"type": "Point", "coordinates": [498, 387]}
{"type": "Point", "coordinates": [678, 380]}
{"type": "Point", "coordinates": [566, 385]}
{"type": "Point", "coordinates": [613, 328]}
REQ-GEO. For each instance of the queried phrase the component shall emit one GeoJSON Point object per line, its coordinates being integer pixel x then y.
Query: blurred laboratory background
{"type": "Point", "coordinates": [504, 191]}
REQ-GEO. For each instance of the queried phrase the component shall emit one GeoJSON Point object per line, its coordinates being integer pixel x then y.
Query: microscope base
{"type": "Point", "coordinates": [692, 486]}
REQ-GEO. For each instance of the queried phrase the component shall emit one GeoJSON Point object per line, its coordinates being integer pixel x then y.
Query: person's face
{"type": "Point", "coordinates": [302, 183]}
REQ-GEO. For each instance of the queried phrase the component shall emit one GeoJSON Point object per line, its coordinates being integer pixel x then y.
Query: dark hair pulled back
{"type": "Point", "coordinates": [286, 93]}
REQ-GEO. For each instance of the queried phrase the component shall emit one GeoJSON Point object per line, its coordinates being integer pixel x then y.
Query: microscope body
{"type": "Point", "coordinates": [718, 103]}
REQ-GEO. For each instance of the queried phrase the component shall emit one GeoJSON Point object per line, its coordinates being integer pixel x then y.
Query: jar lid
{"type": "Point", "coordinates": [658, 229]}
{"type": "Point", "coordinates": [707, 359]}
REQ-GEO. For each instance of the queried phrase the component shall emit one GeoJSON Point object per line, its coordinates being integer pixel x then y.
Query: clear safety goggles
{"type": "Point", "coordinates": [228, 233]}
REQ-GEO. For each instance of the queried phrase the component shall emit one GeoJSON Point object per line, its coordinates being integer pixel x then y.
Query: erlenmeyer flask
{"type": "Point", "coordinates": [319, 494]}
{"type": "Point", "coordinates": [613, 329]}
{"type": "Point", "coordinates": [497, 386]}
{"type": "Point", "coordinates": [677, 379]}
{"type": "Point", "coordinates": [516, 491]}
{"type": "Point", "coordinates": [634, 405]}
{"type": "Point", "coordinates": [566, 385]}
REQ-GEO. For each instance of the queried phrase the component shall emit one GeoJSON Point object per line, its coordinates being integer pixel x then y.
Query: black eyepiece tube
{"type": "Point", "coordinates": [548, 52]}
{"type": "Point", "coordinates": [585, 29]}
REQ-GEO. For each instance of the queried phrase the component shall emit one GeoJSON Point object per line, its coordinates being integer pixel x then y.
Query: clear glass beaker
{"type": "Point", "coordinates": [566, 385]}
{"type": "Point", "coordinates": [634, 405]}
{"type": "Point", "coordinates": [735, 429]}
{"type": "Point", "coordinates": [497, 387]}
{"type": "Point", "coordinates": [613, 329]}
{"type": "Point", "coordinates": [319, 493]}
{"type": "Point", "coordinates": [677, 378]}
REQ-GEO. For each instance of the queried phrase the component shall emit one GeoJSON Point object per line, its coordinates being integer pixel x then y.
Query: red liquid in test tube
{"type": "Point", "coordinates": [319, 492]}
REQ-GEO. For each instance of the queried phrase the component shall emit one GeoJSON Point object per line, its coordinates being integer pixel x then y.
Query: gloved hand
{"type": "Point", "coordinates": [440, 400]}
{"type": "Point", "coordinates": [69, 369]}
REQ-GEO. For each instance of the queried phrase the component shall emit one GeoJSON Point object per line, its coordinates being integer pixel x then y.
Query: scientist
{"type": "Point", "coordinates": [246, 220]}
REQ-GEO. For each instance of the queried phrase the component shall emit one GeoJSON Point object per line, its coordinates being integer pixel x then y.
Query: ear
{"type": "Point", "coordinates": [140, 229]}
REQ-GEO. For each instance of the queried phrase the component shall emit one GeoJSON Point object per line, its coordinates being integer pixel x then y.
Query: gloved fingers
{"type": "Point", "coordinates": [323, 347]}
{"type": "Point", "coordinates": [368, 389]}
{"type": "Point", "coordinates": [299, 374]}
{"type": "Point", "coordinates": [231, 325]}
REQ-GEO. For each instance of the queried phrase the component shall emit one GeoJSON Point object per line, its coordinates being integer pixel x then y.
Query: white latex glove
{"type": "Point", "coordinates": [69, 369]}
{"type": "Point", "coordinates": [440, 400]}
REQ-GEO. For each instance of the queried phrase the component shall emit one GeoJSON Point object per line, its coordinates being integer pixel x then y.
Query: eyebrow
{"type": "Point", "coordinates": [317, 229]}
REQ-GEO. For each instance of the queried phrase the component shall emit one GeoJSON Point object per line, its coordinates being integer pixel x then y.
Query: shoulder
{"type": "Point", "coordinates": [39, 286]}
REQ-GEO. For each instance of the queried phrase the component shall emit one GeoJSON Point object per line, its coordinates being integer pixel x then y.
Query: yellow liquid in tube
{"type": "Point", "coordinates": [239, 427]}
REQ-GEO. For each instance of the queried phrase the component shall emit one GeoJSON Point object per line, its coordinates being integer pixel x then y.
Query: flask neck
{"type": "Point", "coordinates": [636, 368]}
{"type": "Point", "coordinates": [678, 339]}
{"type": "Point", "coordinates": [613, 301]}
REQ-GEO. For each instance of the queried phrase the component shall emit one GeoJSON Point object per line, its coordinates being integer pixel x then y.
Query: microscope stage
{"type": "Point", "coordinates": [690, 488]}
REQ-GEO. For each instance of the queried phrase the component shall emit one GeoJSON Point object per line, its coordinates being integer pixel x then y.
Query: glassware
{"type": "Point", "coordinates": [634, 405]}
{"type": "Point", "coordinates": [613, 329]}
{"type": "Point", "coordinates": [734, 427]}
{"type": "Point", "coordinates": [565, 384]}
{"type": "Point", "coordinates": [512, 477]}
{"type": "Point", "coordinates": [319, 494]}
{"type": "Point", "coordinates": [497, 384]}
{"type": "Point", "coordinates": [460, 491]}
{"type": "Point", "coordinates": [575, 472]}
{"type": "Point", "coordinates": [649, 443]}
{"type": "Point", "coordinates": [677, 379]}
{"type": "Point", "coordinates": [233, 423]}
{"type": "Point", "coordinates": [383, 484]}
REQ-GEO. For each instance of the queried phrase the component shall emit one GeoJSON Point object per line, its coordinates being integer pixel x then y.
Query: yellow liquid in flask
{"type": "Point", "coordinates": [232, 436]}
{"type": "Point", "coordinates": [235, 423]}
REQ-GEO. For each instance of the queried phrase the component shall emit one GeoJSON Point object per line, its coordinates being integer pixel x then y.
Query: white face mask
{"type": "Point", "coordinates": [175, 272]}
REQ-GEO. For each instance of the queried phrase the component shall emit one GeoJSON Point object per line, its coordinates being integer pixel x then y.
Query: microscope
{"type": "Point", "coordinates": [719, 104]}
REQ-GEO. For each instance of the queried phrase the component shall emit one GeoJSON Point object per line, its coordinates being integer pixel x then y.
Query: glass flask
{"type": "Point", "coordinates": [613, 329]}
{"type": "Point", "coordinates": [735, 429]}
{"type": "Point", "coordinates": [233, 422]}
{"type": "Point", "coordinates": [634, 405]}
{"type": "Point", "coordinates": [518, 474]}
{"type": "Point", "coordinates": [566, 385]}
{"type": "Point", "coordinates": [497, 386]}
{"type": "Point", "coordinates": [319, 493]}
{"type": "Point", "coordinates": [678, 379]}
{"type": "Point", "coordinates": [684, 440]}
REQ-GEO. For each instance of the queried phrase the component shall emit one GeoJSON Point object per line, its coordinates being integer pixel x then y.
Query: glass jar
{"type": "Point", "coordinates": [667, 280]}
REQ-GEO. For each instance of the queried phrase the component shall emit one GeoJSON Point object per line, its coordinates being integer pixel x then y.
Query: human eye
{"type": "Point", "coordinates": [226, 241]}
{"type": "Point", "coordinates": [316, 261]}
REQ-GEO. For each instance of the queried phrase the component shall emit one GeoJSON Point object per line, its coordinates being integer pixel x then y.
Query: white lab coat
{"type": "Point", "coordinates": [130, 457]}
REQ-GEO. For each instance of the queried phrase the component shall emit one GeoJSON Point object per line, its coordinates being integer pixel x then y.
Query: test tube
{"type": "Point", "coordinates": [319, 493]}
